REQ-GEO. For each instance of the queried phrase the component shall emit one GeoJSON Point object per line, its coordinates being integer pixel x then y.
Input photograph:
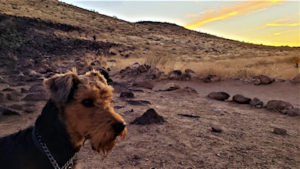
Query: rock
{"type": "Point", "coordinates": [263, 80]}
{"type": "Point", "coordinates": [279, 106]}
{"type": "Point", "coordinates": [144, 84]}
{"type": "Point", "coordinates": [293, 112]}
{"type": "Point", "coordinates": [216, 129]}
{"type": "Point", "coordinates": [6, 111]}
{"type": "Point", "coordinates": [296, 79]}
{"type": "Point", "coordinates": [188, 115]}
{"type": "Point", "coordinates": [144, 71]}
{"type": "Point", "coordinates": [137, 90]}
{"type": "Point", "coordinates": [218, 96]}
{"type": "Point", "coordinates": [138, 102]}
{"type": "Point", "coordinates": [255, 102]}
{"type": "Point", "coordinates": [118, 107]}
{"type": "Point", "coordinates": [35, 97]}
{"type": "Point", "coordinates": [170, 87]}
{"type": "Point", "coordinates": [189, 71]}
{"type": "Point", "coordinates": [149, 117]}
{"type": "Point", "coordinates": [279, 131]}
{"type": "Point", "coordinates": [189, 74]}
{"type": "Point", "coordinates": [127, 94]}
{"type": "Point", "coordinates": [175, 75]}
{"type": "Point", "coordinates": [211, 78]}
{"type": "Point", "coordinates": [241, 99]}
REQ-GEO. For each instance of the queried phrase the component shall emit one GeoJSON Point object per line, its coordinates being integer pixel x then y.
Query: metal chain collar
{"type": "Point", "coordinates": [68, 165]}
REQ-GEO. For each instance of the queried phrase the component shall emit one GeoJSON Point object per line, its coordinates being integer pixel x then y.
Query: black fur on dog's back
{"type": "Point", "coordinates": [18, 151]}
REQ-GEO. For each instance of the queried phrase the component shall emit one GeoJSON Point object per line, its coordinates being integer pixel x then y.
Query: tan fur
{"type": "Point", "coordinates": [94, 123]}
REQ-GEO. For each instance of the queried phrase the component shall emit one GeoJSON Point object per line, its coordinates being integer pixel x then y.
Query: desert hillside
{"type": "Point", "coordinates": [190, 100]}
{"type": "Point", "coordinates": [54, 34]}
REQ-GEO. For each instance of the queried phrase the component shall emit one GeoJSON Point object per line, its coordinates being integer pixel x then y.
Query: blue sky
{"type": "Point", "coordinates": [270, 22]}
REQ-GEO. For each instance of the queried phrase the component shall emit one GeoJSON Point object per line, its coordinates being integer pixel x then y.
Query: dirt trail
{"type": "Point", "coordinates": [247, 140]}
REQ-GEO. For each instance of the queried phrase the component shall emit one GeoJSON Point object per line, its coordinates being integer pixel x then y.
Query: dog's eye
{"type": "Point", "coordinates": [88, 102]}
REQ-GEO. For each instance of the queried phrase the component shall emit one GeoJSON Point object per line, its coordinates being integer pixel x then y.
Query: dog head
{"type": "Point", "coordinates": [87, 111]}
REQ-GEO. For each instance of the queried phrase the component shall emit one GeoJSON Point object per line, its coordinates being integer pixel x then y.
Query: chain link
{"type": "Point", "coordinates": [68, 165]}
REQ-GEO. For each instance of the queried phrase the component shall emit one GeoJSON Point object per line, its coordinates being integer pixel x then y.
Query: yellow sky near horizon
{"type": "Point", "coordinates": [281, 31]}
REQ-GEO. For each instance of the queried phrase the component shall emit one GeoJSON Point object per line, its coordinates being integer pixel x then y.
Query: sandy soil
{"type": "Point", "coordinates": [247, 140]}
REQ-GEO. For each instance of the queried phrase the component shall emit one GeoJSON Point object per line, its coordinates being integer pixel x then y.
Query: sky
{"type": "Point", "coordinates": [268, 22]}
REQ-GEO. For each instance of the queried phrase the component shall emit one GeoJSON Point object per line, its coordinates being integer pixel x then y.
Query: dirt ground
{"type": "Point", "coordinates": [246, 141]}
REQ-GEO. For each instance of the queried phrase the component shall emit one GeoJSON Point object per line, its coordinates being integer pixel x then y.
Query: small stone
{"type": "Point", "coordinates": [279, 131]}
{"type": "Point", "coordinates": [262, 79]}
{"type": "Point", "coordinates": [118, 107]}
{"type": "Point", "coordinates": [241, 99]}
{"type": "Point", "coordinates": [218, 96]}
{"type": "Point", "coordinates": [216, 129]}
{"type": "Point", "coordinates": [255, 102]}
{"type": "Point", "coordinates": [175, 75]}
{"type": "Point", "coordinates": [211, 78]}
{"type": "Point", "coordinates": [127, 94]}
{"type": "Point", "coordinates": [138, 102]}
{"type": "Point", "coordinates": [293, 112]}
{"type": "Point", "coordinates": [149, 117]}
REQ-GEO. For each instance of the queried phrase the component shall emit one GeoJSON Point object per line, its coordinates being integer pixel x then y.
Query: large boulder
{"type": "Point", "coordinates": [218, 96]}
{"type": "Point", "coordinates": [262, 80]}
{"type": "Point", "coordinates": [241, 99]}
{"type": "Point", "coordinates": [279, 106]}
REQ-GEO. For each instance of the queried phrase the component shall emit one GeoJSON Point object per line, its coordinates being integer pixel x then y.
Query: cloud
{"type": "Point", "coordinates": [283, 32]}
{"type": "Point", "coordinates": [232, 11]}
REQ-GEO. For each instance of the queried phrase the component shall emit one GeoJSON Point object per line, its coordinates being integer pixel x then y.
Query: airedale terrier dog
{"type": "Point", "coordinates": [79, 109]}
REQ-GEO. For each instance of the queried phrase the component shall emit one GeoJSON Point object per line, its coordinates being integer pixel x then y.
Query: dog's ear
{"type": "Point", "coordinates": [62, 87]}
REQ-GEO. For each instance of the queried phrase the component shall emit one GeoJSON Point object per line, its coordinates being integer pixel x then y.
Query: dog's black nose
{"type": "Point", "coordinates": [119, 127]}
